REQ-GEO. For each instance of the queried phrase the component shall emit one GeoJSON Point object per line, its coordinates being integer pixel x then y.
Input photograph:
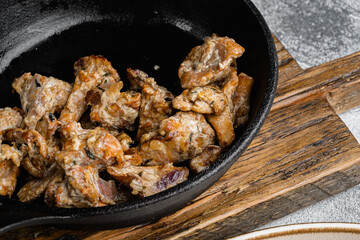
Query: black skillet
{"type": "Point", "coordinates": [48, 36]}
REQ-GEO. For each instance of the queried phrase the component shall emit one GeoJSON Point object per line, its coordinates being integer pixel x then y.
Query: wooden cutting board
{"type": "Point", "coordinates": [304, 153]}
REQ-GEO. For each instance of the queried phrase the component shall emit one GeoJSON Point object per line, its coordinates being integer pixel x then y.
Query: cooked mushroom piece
{"type": "Point", "coordinates": [47, 126]}
{"type": "Point", "coordinates": [9, 118]}
{"type": "Point", "coordinates": [10, 159]}
{"type": "Point", "coordinates": [90, 72]}
{"type": "Point", "coordinates": [34, 148]}
{"type": "Point", "coordinates": [85, 153]}
{"type": "Point", "coordinates": [205, 100]}
{"type": "Point", "coordinates": [223, 122]}
{"type": "Point", "coordinates": [40, 95]}
{"type": "Point", "coordinates": [147, 181]}
{"type": "Point", "coordinates": [209, 62]}
{"type": "Point", "coordinates": [81, 187]}
{"type": "Point", "coordinates": [115, 109]}
{"type": "Point", "coordinates": [202, 161]}
{"type": "Point", "coordinates": [155, 103]}
{"type": "Point", "coordinates": [125, 140]}
{"type": "Point", "coordinates": [180, 137]}
{"type": "Point", "coordinates": [89, 147]}
{"type": "Point", "coordinates": [241, 99]}
{"type": "Point", "coordinates": [36, 186]}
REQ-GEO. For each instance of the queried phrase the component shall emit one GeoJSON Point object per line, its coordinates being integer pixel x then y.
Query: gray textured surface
{"type": "Point", "coordinates": [315, 32]}
{"type": "Point", "coordinates": [344, 207]}
{"type": "Point", "coordinates": [351, 119]}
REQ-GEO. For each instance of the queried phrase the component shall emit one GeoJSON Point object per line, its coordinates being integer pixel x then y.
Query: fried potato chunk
{"type": "Point", "coordinates": [155, 103]}
{"type": "Point", "coordinates": [209, 62]}
{"type": "Point", "coordinates": [180, 137]}
{"type": "Point", "coordinates": [90, 72]}
{"type": "Point", "coordinates": [147, 181]}
{"type": "Point", "coordinates": [40, 95]}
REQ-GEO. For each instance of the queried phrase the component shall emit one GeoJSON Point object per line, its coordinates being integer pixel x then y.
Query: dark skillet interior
{"type": "Point", "coordinates": [47, 37]}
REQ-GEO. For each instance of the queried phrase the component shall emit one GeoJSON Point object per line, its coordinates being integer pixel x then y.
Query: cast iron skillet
{"type": "Point", "coordinates": [48, 36]}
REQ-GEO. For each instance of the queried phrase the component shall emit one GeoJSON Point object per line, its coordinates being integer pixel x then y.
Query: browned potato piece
{"type": "Point", "coordinates": [147, 181]}
{"type": "Point", "coordinates": [209, 62]}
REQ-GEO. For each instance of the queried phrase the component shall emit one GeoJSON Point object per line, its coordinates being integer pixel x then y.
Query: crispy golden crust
{"type": "Point", "coordinates": [90, 72]}
{"type": "Point", "coordinates": [209, 62]}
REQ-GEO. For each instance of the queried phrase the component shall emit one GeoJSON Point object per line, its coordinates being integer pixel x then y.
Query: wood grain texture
{"type": "Point", "coordinates": [303, 154]}
{"type": "Point", "coordinates": [345, 98]}
{"type": "Point", "coordinates": [318, 80]}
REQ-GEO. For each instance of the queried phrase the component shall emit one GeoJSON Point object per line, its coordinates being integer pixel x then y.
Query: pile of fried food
{"type": "Point", "coordinates": [85, 158]}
